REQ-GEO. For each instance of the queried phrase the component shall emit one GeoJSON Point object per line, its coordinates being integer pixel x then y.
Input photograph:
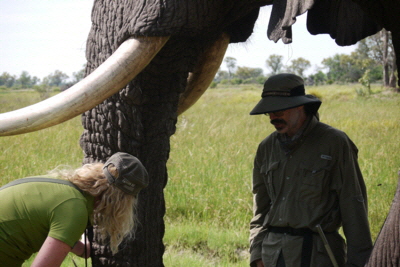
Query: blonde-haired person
{"type": "Point", "coordinates": [49, 215]}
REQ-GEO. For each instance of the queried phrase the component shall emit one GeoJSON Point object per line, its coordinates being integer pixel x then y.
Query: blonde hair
{"type": "Point", "coordinates": [114, 214]}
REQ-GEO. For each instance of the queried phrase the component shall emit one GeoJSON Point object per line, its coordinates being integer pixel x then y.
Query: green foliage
{"type": "Point", "coordinates": [246, 73]}
{"type": "Point", "coordinates": [230, 64]}
{"type": "Point", "coordinates": [224, 81]}
{"type": "Point", "coordinates": [221, 76]}
{"type": "Point", "coordinates": [298, 66]}
{"type": "Point", "coordinates": [55, 79]}
{"type": "Point", "coordinates": [365, 81]}
{"type": "Point", "coordinates": [342, 68]}
{"type": "Point", "coordinates": [213, 85]}
{"type": "Point", "coordinates": [236, 81]}
{"type": "Point", "coordinates": [7, 80]}
{"type": "Point", "coordinates": [261, 79]}
{"type": "Point", "coordinates": [318, 78]}
{"type": "Point", "coordinates": [44, 91]}
{"type": "Point", "coordinates": [274, 63]}
{"type": "Point", "coordinates": [208, 195]}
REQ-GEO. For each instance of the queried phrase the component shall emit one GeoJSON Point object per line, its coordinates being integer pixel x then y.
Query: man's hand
{"type": "Point", "coordinates": [260, 263]}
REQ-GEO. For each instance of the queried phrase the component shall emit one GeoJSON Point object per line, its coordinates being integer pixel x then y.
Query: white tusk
{"type": "Point", "coordinates": [117, 71]}
{"type": "Point", "coordinates": [202, 76]}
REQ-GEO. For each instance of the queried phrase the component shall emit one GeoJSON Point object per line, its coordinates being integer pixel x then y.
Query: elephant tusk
{"type": "Point", "coordinates": [117, 71]}
{"type": "Point", "coordinates": [203, 74]}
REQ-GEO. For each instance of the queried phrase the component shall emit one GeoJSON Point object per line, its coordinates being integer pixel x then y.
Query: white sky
{"type": "Point", "coordinates": [42, 36]}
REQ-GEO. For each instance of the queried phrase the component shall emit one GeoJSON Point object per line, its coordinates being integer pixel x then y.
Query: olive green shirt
{"type": "Point", "coordinates": [317, 182]}
{"type": "Point", "coordinates": [29, 212]}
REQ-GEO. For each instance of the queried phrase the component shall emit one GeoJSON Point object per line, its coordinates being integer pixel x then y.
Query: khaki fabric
{"type": "Point", "coordinates": [318, 182]}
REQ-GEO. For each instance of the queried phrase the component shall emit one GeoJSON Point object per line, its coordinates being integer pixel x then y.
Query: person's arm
{"type": "Point", "coordinates": [354, 209]}
{"type": "Point", "coordinates": [261, 206]}
{"type": "Point", "coordinates": [51, 254]}
{"type": "Point", "coordinates": [78, 249]}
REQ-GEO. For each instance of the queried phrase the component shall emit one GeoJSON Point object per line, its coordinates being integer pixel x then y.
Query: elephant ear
{"type": "Point", "coordinates": [283, 16]}
{"type": "Point", "coordinates": [343, 20]}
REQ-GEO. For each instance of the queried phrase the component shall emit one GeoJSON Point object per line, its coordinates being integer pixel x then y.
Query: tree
{"type": "Point", "coordinates": [379, 48]}
{"type": "Point", "coordinates": [342, 68]}
{"type": "Point", "coordinates": [317, 78]}
{"type": "Point", "coordinates": [79, 75]}
{"type": "Point", "coordinates": [248, 73]}
{"type": "Point", "coordinates": [221, 75]}
{"type": "Point", "coordinates": [7, 80]}
{"type": "Point", "coordinates": [26, 81]}
{"type": "Point", "coordinates": [274, 62]}
{"type": "Point", "coordinates": [231, 65]}
{"type": "Point", "coordinates": [56, 79]}
{"type": "Point", "coordinates": [76, 77]}
{"type": "Point", "coordinates": [298, 66]}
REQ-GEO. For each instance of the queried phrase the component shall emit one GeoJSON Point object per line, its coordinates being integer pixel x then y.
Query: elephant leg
{"type": "Point", "coordinates": [386, 252]}
{"type": "Point", "coordinates": [140, 120]}
{"type": "Point", "coordinates": [396, 46]}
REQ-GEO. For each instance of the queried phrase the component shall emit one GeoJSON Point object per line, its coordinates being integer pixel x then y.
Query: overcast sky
{"type": "Point", "coordinates": [42, 36]}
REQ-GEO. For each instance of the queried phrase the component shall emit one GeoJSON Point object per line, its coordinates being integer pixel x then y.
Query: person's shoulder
{"type": "Point", "coordinates": [270, 138]}
{"type": "Point", "coordinates": [329, 130]}
{"type": "Point", "coordinates": [333, 135]}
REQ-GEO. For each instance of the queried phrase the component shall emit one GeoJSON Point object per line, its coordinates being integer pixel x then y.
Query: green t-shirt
{"type": "Point", "coordinates": [30, 212]}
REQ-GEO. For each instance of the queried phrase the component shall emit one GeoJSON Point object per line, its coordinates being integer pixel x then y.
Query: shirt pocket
{"type": "Point", "coordinates": [269, 173]}
{"type": "Point", "coordinates": [314, 182]}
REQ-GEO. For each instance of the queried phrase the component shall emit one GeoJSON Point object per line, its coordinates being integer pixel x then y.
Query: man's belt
{"type": "Point", "coordinates": [307, 235]}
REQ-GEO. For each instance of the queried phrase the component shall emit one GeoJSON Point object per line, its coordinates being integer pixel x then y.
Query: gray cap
{"type": "Point", "coordinates": [132, 174]}
{"type": "Point", "coordinates": [284, 91]}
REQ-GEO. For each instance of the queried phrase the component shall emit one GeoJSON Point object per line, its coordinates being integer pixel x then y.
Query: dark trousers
{"type": "Point", "coordinates": [281, 261]}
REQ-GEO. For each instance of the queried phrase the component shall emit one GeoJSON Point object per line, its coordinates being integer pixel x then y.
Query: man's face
{"type": "Point", "coordinates": [288, 121]}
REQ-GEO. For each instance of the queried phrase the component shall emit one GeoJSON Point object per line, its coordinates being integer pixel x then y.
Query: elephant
{"type": "Point", "coordinates": [149, 61]}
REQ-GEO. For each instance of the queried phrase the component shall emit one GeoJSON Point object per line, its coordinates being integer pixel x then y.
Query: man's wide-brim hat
{"type": "Point", "coordinates": [132, 175]}
{"type": "Point", "coordinates": [285, 91]}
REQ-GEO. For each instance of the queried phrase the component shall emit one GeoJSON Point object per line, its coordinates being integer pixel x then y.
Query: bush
{"type": "Point", "coordinates": [213, 85]}
{"type": "Point", "coordinates": [236, 81]}
{"type": "Point", "coordinates": [224, 81]}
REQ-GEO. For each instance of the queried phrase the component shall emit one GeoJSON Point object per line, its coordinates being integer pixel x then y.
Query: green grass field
{"type": "Point", "coordinates": [208, 196]}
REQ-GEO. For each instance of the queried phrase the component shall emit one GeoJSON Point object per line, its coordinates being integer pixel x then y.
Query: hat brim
{"type": "Point", "coordinates": [277, 103]}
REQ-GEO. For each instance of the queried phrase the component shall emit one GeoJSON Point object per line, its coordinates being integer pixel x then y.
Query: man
{"type": "Point", "coordinates": [305, 176]}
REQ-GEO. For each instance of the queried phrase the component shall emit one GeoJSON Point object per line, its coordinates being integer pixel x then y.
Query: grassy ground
{"type": "Point", "coordinates": [208, 195]}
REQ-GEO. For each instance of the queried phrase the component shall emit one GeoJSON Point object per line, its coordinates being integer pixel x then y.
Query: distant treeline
{"type": "Point", "coordinates": [372, 61]}
{"type": "Point", "coordinates": [25, 81]}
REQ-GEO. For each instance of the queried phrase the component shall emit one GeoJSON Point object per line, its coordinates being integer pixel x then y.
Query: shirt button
{"type": "Point", "coordinates": [280, 219]}
{"type": "Point", "coordinates": [283, 198]}
{"type": "Point", "coordinates": [287, 177]}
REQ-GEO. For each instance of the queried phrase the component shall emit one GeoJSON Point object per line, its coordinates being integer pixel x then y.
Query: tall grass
{"type": "Point", "coordinates": [208, 195]}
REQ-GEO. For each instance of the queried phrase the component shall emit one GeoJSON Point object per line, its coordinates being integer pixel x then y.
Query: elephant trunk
{"type": "Point", "coordinates": [122, 66]}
